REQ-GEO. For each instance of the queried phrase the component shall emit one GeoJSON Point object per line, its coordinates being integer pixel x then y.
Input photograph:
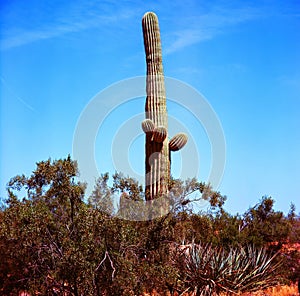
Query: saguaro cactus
{"type": "Point", "coordinates": [155, 125]}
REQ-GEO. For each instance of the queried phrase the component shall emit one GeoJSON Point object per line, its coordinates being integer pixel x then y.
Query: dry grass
{"type": "Point", "coordinates": [274, 291]}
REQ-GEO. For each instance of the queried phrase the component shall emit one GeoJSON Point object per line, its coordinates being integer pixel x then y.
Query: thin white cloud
{"type": "Point", "coordinates": [186, 29]}
{"type": "Point", "coordinates": [25, 36]}
{"type": "Point", "coordinates": [206, 26]}
{"type": "Point", "coordinates": [79, 19]}
{"type": "Point", "coordinates": [184, 38]}
{"type": "Point", "coordinates": [5, 84]}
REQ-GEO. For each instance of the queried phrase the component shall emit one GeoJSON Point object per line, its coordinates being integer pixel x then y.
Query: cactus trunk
{"type": "Point", "coordinates": [157, 150]}
{"type": "Point", "coordinates": [155, 125]}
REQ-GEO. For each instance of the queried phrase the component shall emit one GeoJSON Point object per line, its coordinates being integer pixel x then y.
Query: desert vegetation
{"type": "Point", "coordinates": [54, 240]}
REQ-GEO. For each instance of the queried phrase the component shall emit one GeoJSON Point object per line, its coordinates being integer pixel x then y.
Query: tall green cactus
{"type": "Point", "coordinates": [155, 125]}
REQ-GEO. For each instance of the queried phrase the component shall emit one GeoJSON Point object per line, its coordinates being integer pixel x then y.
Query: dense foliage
{"type": "Point", "coordinates": [55, 242]}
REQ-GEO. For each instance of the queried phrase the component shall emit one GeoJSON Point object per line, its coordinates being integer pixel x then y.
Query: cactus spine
{"type": "Point", "coordinates": [155, 125]}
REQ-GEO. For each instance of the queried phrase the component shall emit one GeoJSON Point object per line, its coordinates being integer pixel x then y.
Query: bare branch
{"type": "Point", "coordinates": [111, 264]}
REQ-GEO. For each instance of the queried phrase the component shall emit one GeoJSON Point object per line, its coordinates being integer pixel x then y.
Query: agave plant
{"type": "Point", "coordinates": [208, 270]}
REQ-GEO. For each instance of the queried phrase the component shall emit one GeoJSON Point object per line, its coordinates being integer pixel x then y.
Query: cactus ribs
{"type": "Point", "coordinates": [155, 126]}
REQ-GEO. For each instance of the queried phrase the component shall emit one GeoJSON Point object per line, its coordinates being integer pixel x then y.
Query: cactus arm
{"type": "Point", "coordinates": [148, 126]}
{"type": "Point", "coordinates": [178, 142]}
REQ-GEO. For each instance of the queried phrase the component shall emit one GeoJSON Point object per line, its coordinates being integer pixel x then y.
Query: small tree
{"type": "Point", "coordinates": [101, 197]}
{"type": "Point", "coordinates": [263, 225]}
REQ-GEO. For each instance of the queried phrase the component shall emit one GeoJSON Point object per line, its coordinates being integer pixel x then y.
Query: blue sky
{"type": "Point", "coordinates": [243, 56]}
